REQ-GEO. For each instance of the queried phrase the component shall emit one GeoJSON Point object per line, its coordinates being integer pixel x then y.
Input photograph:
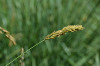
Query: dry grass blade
{"type": "Point", "coordinates": [70, 28]}
{"type": "Point", "coordinates": [7, 34]}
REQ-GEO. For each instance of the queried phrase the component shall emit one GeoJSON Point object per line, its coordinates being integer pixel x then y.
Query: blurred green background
{"type": "Point", "coordinates": [29, 21]}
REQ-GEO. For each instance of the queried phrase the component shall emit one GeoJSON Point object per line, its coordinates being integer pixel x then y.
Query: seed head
{"type": "Point", "coordinates": [7, 34]}
{"type": "Point", "coordinates": [70, 28]}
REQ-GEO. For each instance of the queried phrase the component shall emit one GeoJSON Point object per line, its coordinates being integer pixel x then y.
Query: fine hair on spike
{"type": "Point", "coordinates": [70, 28]}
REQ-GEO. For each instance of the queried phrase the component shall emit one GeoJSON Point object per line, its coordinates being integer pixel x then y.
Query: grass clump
{"type": "Point", "coordinates": [31, 20]}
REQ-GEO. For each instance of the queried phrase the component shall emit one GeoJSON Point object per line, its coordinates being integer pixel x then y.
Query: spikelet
{"type": "Point", "coordinates": [70, 28]}
{"type": "Point", "coordinates": [2, 30]}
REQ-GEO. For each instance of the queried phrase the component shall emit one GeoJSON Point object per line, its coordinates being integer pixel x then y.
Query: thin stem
{"type": "Point", "coordinates": [25, 52]}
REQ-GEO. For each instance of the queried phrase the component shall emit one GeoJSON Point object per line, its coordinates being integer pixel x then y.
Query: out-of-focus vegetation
{"type": "Point", "coordinates": [29, 21]}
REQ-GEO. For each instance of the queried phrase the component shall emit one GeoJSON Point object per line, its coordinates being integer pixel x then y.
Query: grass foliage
{"type": "Point", "coordinates": [29, 21]}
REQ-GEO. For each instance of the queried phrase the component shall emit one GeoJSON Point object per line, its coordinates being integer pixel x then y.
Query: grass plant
{"type": "Point", "coordinates": [29, 21]}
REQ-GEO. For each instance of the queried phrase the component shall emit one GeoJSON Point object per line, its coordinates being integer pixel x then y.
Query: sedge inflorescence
{"type": "Point", "coordinates": [70, 28]}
